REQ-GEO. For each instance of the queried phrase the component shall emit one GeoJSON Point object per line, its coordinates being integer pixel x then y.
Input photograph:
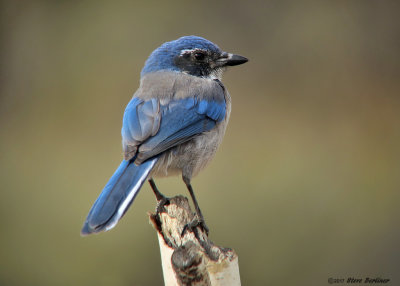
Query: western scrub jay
{"type": "Point", "coordinates": [173, 125]}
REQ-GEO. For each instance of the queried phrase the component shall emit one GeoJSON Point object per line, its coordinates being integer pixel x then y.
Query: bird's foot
{"type": "Point", "coordinates": [161, 203]}
{"type": "Point", "coordinates": [162, 200]}
{"type": "Point", "coordinates": [191, 226]}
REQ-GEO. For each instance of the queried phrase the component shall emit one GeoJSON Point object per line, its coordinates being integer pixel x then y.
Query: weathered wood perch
{"type": "Point", "coordinates": [191, 259]}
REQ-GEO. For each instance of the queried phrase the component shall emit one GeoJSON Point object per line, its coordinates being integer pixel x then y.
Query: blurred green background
{"type": "Point", "coordinates": [305, 186]}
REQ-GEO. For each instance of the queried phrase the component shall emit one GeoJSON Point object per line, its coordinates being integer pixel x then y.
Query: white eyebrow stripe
{"type": "Point", "coordinates": [187, 51]}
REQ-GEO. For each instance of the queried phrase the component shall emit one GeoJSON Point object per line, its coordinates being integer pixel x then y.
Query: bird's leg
{"type": "Point", "coordinates": [161, 199]}
{"type": "Point", "coordinates": [199, 219]}
{"type": "Point", "coordinates": [157, 193]}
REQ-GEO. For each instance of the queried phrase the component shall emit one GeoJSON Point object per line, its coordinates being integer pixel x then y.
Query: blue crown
{"type": "Point", "coordinates": [162, 58]}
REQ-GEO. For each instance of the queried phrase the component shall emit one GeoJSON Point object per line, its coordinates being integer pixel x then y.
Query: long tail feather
{"type": "Point", "coordinates": [117, 196]}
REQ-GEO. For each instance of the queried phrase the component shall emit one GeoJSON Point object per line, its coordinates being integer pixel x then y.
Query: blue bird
{"type": "Point", "coordinates": [172, 126]}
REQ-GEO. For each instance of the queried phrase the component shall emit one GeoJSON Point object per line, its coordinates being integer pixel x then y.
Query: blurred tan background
{"type": "Point", "coordinates": [305, 186]}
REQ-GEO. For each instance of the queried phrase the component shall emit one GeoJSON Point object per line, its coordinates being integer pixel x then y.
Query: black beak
{"type": "Point", "coordinates": [227, 59]}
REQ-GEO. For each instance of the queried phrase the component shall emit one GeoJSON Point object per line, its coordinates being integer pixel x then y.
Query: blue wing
{"type": "Point", "coordinates": [150, 127]}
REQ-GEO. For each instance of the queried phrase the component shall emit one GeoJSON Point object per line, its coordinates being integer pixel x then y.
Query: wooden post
{"type": "Point", "coordinates": [191, 258]}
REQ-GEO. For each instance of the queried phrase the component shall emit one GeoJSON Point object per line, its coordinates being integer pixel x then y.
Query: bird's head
{"type": "Point", "coordinates": [192, 55]}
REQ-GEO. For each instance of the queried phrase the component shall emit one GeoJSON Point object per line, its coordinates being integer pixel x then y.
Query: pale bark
{"type": "Point", "coordinates": [191, 258]}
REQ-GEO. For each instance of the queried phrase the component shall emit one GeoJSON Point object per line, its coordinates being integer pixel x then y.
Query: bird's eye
{"type": "Point", "coordinates": [199, 56]}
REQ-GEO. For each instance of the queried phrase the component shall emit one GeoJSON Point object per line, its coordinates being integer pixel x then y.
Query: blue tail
{"type": "Point", "coordinates": [117, 196]}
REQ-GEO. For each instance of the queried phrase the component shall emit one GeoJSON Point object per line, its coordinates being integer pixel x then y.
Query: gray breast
{"type": "Point", "coordinates": [192, 156]}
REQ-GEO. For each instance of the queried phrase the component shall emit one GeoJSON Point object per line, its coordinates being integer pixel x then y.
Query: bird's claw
{"type": "Point", "coordinates": [164, 201]}
{"type": "Point", "coordinates": [191, 226]}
